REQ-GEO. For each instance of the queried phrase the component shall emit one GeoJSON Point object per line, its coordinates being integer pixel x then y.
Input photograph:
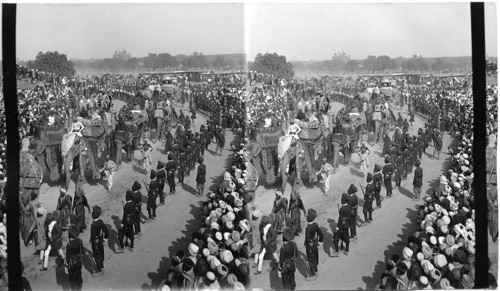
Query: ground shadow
{"type": "Point", "coordinates": [139, 169]}
{"type": "Point", "coordinates": [88, 260]}
{"type": "Point", "coordinates": [189, 189]}
{"type": "Point", "coordinates": [327, 241]}
{"type": "Point", "coordinates": [62, 279]}
{"type": "Point", "coordinates": [113, 238]}
{"type": "Point", "coordinates": [356, 172]}
{"type": "Point", "coordinates": [406, 192]}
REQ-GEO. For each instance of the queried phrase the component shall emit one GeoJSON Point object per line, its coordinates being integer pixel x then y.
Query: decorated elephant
{"type": "Point", "coordinates": [45, 147]}
{"type": "Point", "coordinates": [306, 153]}
{"type": "Point", "coordinates": [46, 144]}
{"type": "Point", "coordinates": [265, 144]}
{"type": "Point", "coordinates": [74, 153]}
{"type": "Point", "coordinates": [30, 175]}
{"type": "Point", "coordinates": [127, 136]}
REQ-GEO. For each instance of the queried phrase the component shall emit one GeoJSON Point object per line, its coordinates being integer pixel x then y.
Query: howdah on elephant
{"type": "Point", "coordinates": [127, 136]}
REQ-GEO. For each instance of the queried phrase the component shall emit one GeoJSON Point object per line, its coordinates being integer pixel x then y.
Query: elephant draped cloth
{"type": "Point", "coordinates": [309, 130]}
{"type": "Point", "coordinates": [284, 144]}
{"type": "Point", "coordinates": [93, 128]}
{"type": "Point", "coordinates": [31, 173]}
{"type": "Point", "coordinates": [67, 142]}
{"type": "Point", "coordinates": [269, 138]}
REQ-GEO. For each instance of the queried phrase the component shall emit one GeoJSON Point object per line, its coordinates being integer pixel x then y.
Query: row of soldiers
{"type": "Point", "coordinates": [183, 151]}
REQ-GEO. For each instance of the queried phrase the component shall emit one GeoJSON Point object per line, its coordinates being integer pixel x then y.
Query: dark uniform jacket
{"type": "Point", "coordinates": [153, 191]}
{"type": "Point", "coordinates": [417, 178]}
{"type": "Point", "coordinates": [313, 233]}
{"type": "Point", "coordinates": [369, 192]}
{"type": "Point", "coordinates": [98, 231]}
{"type": "Point", "coordinates": [200, 176]}
{"type": "Point", "coordinates": [344, 216]}
{"type": "Point", "coordinates": [161, 175]}
{"type": "Point", "coordinates": [377, 180]}
{"type": "Point", "coordinates": [387, 170]}
{"type": "Point", "coordinates": [128, 213]}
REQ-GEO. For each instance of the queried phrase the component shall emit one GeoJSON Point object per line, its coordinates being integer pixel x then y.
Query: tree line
{"type": "Point", "coordinates": [162, 61]}
{"type": "Point", "coordinates": [386, 64]}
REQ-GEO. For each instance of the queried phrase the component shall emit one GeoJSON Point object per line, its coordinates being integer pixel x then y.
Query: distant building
{"type": "Point", "coordinates": [342, 57]}
{"type": "Point", "coordinates": [123, 55]}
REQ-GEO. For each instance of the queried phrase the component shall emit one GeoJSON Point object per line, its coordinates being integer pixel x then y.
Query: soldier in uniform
{"type": "Point", "coordinates": [377, 181]}
{"type": "Point", "coordinates": [288, 255]}
{"type": "Point", "coordinates": [181, 168]}
{"type": "Point", "coordinates": [196, 154]}
{"type": "Point", "coordinates": [161, 175]}
{"type": "Point", "coordinates": [99, 233]}
{"type": "Point", "coordinates": [127, 225]}
{"type": "Point", "coordinates": [221, 140]}
{"type": "Point", "coordinates": [368, 199]}
{"type": "Point", "coordinates": [152, 194]}
{"type": "Point", "coordinates": [353, 203]}
{"type": "Point", "coordinates": [406, 161]}
{"type": "Point", "coordinates": [342, 229]}
{"type": "Point", "coordinates": [189, 158]}
{"type": "Point", "coordinates": [169, 142]}
{"type": "Point", "coordinates": [387, 173]}
{"type": "Point", "coordinates": [171, 167]}
{"type": "Point", "coordinates": [313, 238]}
{"type": "Point", "coordinates": [398, 171]}
{"type": "Point", "coordinates": [137, 199]}
{"type": "Point", "coordinates": [203, 140]}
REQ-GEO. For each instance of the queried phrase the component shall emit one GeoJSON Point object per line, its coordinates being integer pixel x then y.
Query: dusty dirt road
{"type": "Point", "coordinates": [161, 239]}
{"type": "Point", "coordinates": [376, 243]}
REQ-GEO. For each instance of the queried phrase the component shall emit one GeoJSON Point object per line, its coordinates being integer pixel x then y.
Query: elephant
{"type": "Point", "coordinates": [264, 144]}
{"type": "Point", "coordinates": [45, 147]}
{"type": "Point", "coordinates": [306, 153]}
{"type": "Point", "coordinates": [491, 162]}
{"type": "Point", "coordinates": [290, 161]}
{"type": "Point", "coordinates": [30, 175]}
{"type": "Point", "coordinates": [76, 157]}
{"type": "Point", "coordinates": [127, 137]}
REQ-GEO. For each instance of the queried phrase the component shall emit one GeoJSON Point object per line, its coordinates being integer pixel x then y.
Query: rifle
{"type": "Point", "coordinates": [145, 185]}
{"type": "Point", "coordinates": [362, 189]}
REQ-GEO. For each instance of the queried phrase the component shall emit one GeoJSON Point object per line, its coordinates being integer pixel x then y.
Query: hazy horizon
{"type": "Point", "coordinates": [299, 31]}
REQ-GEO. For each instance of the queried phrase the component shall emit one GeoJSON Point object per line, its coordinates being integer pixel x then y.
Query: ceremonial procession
{"type": "Point", "coordinates": [230, 171]}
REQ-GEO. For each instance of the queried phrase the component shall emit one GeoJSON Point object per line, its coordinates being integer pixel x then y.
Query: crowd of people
{"type": "Point", "coordinates": [52, 101]}
{"type": "Point", "coordinates": [440, 255]}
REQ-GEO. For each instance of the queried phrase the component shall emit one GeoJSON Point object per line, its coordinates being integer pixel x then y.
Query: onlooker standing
{"type": "Point", "coordinates": [109, 170]}
{"type": "Point", "coordinates": [41, 239]}
{"type": "Point", "coordinates": [417, 181]}
{"type": "Point", "coordinates": [64, 204]}
{"type": "Point", "coordinates": [201, 176]}
{"type": "Point", "coordinates": [74, 252]}
{"type": "Point", "coordinates": [294, 209]}
{"type": "Point", "coordinates": [54, 238]}
{"type": "Point", "coordinates": [80, 202]}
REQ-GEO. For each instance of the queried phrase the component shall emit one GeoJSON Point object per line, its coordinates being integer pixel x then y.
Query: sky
{"type": "Point", "coordinates": [299, 31]}
{"type": "Point", "coordinates": [317, 31]}
{"type": "Point", "coordinates": [86, 31]}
